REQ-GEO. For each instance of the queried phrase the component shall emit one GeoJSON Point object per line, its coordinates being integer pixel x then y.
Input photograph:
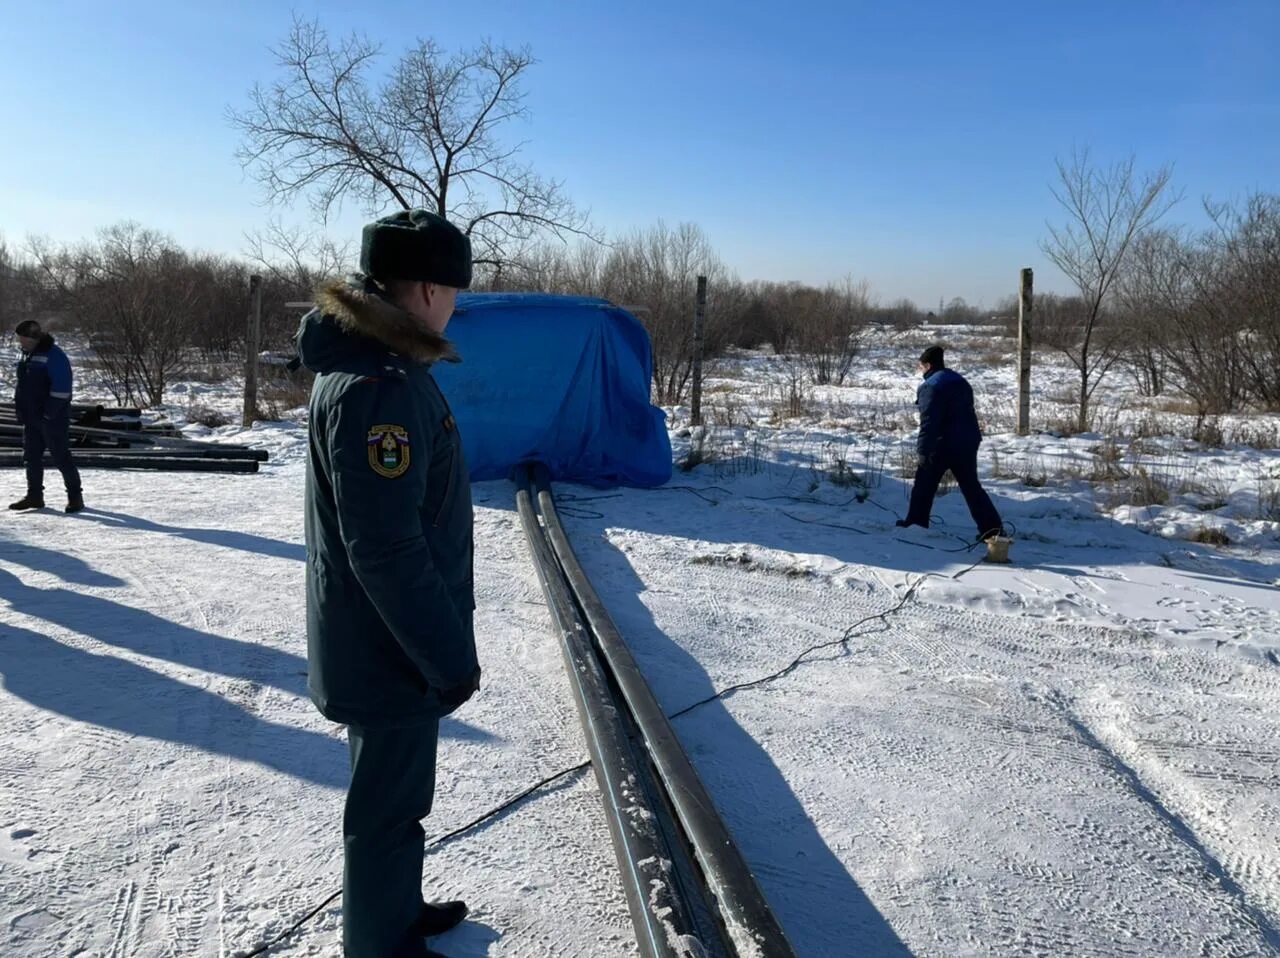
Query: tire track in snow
{"type": "Point", "coordinates": [1175, 823]}
{"type": "Point", "coordinates": [939, 655]}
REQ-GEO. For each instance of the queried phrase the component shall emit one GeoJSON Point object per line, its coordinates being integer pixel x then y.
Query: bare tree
{"type": "Point", "coordinates": [544, 268]}
{"type": "Point", "coordinates": [135, 294]}
{"type": "Point", "coordinates": [1180, 320]}
{"type": "Point", "coordinates": [218, 307]}
{"type": "Point", "coordinates": [1142, 350]}
{"type": "Point", "coordinates": [292, 263]}
{"type": "Point", "coordinates": [831, 323]}
{"type": "Point", "coordinates": [1063, 323]}
{"type": "Point", "coordinates": [902, 314]}
{"type": "Point", "coordinates": [1107, 209]}
{"type": "Point", "coordinates": [957, 312]}
{"type": "Point", "coordinates": [1247, 245]}
{"type": "Point", "coordinates": [295, 258]}
{"type": "Point", "coordinates": [21, 294]}
{"type": "Point", "coordinates": [428, 136]}
{"type": "Point", "coordinates": [8, 286]}
{"type": "Point", "coordinates": [656, 270]}
{"type": "Point", "coordinates": [767, 316]}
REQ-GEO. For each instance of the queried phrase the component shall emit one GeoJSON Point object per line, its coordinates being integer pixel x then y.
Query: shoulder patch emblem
{"type": "Point", "coordinates": [388, 450]}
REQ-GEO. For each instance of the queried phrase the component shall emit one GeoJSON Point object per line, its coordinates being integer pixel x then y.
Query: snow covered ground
{"type": "Point", "coordinates": [1077, 754]}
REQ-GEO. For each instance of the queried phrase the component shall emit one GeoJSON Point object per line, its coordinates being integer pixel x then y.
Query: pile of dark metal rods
{"type": "Point", "coordinates": [130, 444]}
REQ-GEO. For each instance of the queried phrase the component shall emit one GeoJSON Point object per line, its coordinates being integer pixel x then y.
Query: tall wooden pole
{"type": "Point", "coordinates": [699, 315]}
{"type": "Point", "coordinates": [1024, 354]}
{"type": "Point", "coordinates": [251, 347]}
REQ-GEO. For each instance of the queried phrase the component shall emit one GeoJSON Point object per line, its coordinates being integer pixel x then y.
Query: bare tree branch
{"type": "Point", "coordinates": [1107, 210]}
{"type": "Point", "coordinates": [427, 136]}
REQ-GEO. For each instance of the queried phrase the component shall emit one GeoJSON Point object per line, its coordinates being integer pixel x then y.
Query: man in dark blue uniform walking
{"type": "Point", "coordinates": [390, 596]}
{"type": "Point", "coordinates": [43, 402]}
{"type": "Point", "coordinates": [949, 439]}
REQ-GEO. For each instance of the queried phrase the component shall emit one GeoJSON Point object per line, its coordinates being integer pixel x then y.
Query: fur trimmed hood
{"type": "Point", "coordinates": [362, 311]}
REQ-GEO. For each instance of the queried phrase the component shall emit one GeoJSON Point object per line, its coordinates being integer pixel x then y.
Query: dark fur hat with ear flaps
{"type": "Point", "coordinates": [366, 313]}
{"type": "Point", "coordinates": [416, 244]}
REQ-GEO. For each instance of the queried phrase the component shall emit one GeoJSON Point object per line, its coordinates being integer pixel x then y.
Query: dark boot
{"type": "Point", "coordinates": [28, 502]}
{"type": "Point", "coordinates": [75, 502]}
{"type": "Point", "coordinates": [438, 917]}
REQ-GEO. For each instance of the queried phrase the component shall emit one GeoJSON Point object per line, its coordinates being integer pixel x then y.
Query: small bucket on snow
{"type": "Point", "coordinates": [998, 548]}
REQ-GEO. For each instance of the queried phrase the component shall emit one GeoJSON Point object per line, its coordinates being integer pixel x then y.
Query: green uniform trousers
{"type": "Point", "coordinates": [393, 778]}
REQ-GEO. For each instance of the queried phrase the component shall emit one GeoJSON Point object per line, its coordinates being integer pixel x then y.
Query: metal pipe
{"type": "Point", "coordinates": [660, 917]}
{"type": "Point", "coordinates": [753, 928]}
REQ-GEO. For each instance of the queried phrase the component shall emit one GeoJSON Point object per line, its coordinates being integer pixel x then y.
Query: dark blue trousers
{"type": "Point", "coordinates": [393, 779]}
{"type": "Point", "coordinates": [964, 466]}
{"type": "Point", "coordinates": [53, 436]}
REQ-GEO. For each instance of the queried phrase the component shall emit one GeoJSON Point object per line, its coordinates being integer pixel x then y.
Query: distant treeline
{"type": "Point", "coordinates": [1193, 314]}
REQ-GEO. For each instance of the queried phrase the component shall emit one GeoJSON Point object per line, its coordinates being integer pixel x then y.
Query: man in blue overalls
{"type": "Point", "coordinates": [43, 402]}
{"type": "Point", "coordinates": [949, 439]}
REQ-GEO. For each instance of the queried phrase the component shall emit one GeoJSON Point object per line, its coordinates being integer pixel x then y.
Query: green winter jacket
{"type": "Point", "coordinates": [388, 518]}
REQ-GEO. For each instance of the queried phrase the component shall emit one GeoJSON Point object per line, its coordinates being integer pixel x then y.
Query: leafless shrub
{"type": "Point", "coordinates": [907, 462]}
{"type": "Point", "coordinates": [209, 374]}
{"type": "Point", "coordinates": [1269, 499]}
{"type": "Point", "coordinates": [997, 414]}
{"type": "Point", "coordinates": [830, 326]}
{"type": "Point", "coordinates": [1177, 405]}
{"type": "Point", "coordinates": [1211, 535]}
{"type": "Point", "coordinates": [728, 410]}
{"type": "Point", "coordinates": [1260, 435]}
{"type": "Point", "coordinates": [792, 399]}
{"type": "Point", "coordinates": [1108, 463]}
{"type": "Point", "coordinates": [207, 416]}
{"type": "Point", "coordinates": [1208, 432]}
{"type": "Point", "coordinates": [749, 460]}
{"type": "Point", "coordinates": [656, 272]}
{"type": "Point", "coordinates": [1246, 247]}
{"type": "Point", "coordinates": [1182, 320]}
{"type": "Point", "coordinates": [702, 450]}
{"type": "Point", "coordinates": [287, 391]}
{"type": "Point", "coordinates": [143, 302]}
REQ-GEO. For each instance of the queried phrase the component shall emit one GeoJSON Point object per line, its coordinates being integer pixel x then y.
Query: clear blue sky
{"type": "Point", "coordinates": [908, 143]}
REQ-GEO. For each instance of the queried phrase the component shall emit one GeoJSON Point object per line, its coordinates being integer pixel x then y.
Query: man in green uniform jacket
{"type": "Point", "coordinates": [389, 562]}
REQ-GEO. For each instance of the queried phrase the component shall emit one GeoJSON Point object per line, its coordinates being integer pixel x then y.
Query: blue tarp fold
{"type": "Point", "coordinates": [562, 380]}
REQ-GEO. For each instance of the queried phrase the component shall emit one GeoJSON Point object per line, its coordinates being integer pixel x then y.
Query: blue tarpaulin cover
{"type": "Point", "coordinates": [562, 380]}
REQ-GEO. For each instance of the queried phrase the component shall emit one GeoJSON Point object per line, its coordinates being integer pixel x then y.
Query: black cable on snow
{"type": "Point", "coordinates": [434, 843]}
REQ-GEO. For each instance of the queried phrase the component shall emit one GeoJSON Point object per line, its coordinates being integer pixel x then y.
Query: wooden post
{"type": "Point", "coordinates": [251, 346]}
{"type": "Point", "coordinates": [699, 314]}
{"type": "Point", "coordinates": [1024, 354]}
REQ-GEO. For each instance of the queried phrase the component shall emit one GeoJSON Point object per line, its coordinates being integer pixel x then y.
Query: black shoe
{"type": "Point", "coordinates": [438, 917]}
{"type": "Point", "coordinates": [904, 523]}
{"type": "Point", "coordinates": [28, 502]}
{"type": "Point", "coordinates": [75, 502]}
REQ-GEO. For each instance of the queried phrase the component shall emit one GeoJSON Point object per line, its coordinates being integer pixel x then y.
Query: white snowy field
{"type": "Point", "coordinates": [1076, 754]}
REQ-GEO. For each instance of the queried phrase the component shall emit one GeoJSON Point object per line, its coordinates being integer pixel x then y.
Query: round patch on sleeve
{"type": "Point", "coordinates": [388, 450]}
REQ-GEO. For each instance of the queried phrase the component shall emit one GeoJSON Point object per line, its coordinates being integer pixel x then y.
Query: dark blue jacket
{"type": "Point", "coordinates": [948, 423]}
{"type": "Point", "coordinates": [388, 519]}
{"type": "Point", "coordinates": [44, 383]}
